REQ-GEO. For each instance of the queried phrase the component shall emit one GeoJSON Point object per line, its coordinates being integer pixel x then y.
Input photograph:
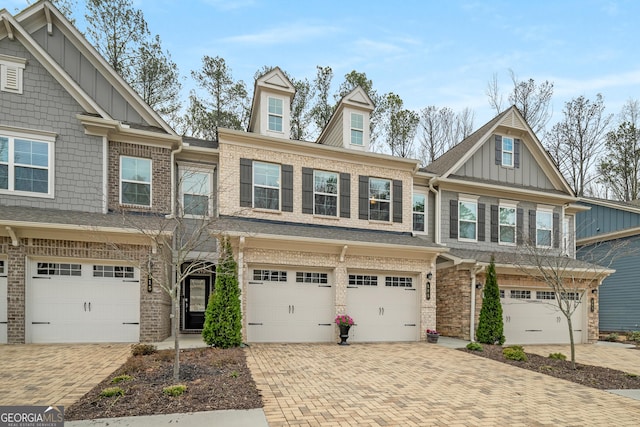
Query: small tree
{"type": "Point", "coordinates": [490, 327]}
{"type": "Point", "coordinates": [222, 319]}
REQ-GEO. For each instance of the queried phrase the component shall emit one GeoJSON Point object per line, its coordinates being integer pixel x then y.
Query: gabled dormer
{"type": "Point", "coordinates": [271, 108]}
{"type": "Point", "coordinates": [349, 124]}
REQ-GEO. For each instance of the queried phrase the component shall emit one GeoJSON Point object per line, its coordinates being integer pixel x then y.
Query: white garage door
{"type": "Point", "coordinates": [73, 302]}
{"type": "Point", "coordinates": [3, 302]}
{"type": "Point", "coordinates": [384, 308]}
{"type": "Point", "coordinates": [290, 306]}
{"type": "Point", "coordinates": [532, 317]}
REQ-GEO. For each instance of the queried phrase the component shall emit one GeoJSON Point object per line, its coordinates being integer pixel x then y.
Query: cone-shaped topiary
{"type": "Point", "coordinates": [222, 318]}
{"type": "Point", "coordinates": [490, 327]}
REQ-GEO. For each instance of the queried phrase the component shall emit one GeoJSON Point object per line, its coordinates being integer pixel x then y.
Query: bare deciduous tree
{"type": "Point", "coordinates": [620, 167]}
{"type": "Point", "coordinates": [571, 281]}
{"type": "Point", "coordinates": [532, 99]}
{"type": "Point", "coordinates": [576, 141]}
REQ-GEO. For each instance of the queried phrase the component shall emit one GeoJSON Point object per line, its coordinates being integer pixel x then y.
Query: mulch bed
{"type": "Point", "coordinates": [590, 376]}
{"type": "Point", "coordinates": [215, 379]}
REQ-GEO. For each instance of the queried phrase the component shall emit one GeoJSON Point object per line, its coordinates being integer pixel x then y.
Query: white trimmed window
{"type": "Point", "coordinates": [544, 228]}
{"type": "Point", "coordinates": [357, 129]}
{"type": "Point", "coordinates": [11, 73]}
{"type": "Point", "coordinates": [419, 213]}
{"type": "Point", "coordinates": [275, 114]}
{"type": "Point", "coordinates": [379, 199]}
{"type": "Point", "coordinates": [266, 186]}
{"type": "Point", "coordinates": [195, 192]}
{"type": "Point", "coordinates": [507, 151]}
{"type": "Point", "coordinates": [325, 193]}
{"type": "Point", "coordinates": [26, 163]}
{"type": "Point", "coordinates": [468, 220]}
{"type": "Point", "coordinates": [135, 181]}
{"type": "Point", "coordinates": [566, 238]}
{"type": "Point", "coordinates": [507, 225]}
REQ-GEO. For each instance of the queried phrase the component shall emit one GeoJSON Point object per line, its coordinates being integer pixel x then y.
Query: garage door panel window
{"type": "Point", "coordinates": [311, 277]}
{"type": "Point", "coordinates": [59, 269]}
{"type": "Point", "coordinates": [571, 296]}
{"type": "Point", "coordinates": [398, 282]}
{"type": "Point", "coordinates": [270, 275]}
{"type": "Point", "coordinates": [519, 294]}
{"type": "Point", "coordinates": [114, 271]}
{"type": "Point", "coordinates": [545, 295]}
{"type": "Point", "coordinates": [362, 280]}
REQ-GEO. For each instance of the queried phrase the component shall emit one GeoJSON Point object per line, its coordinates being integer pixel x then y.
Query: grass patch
{"type": "Point", "coordinates": [121, 378]}
{"type": "Point", "coordinates": [112, 391]}
{"type": "Point", "coordinates": [474, 346]}
{"type": "Point", "coordinates": [175, 390]}
{"type": "Point", "coordinates": [557, 356]}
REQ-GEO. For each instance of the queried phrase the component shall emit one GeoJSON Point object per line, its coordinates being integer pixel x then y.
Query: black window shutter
{"type": "Point", "coordinates": [532, 227]}
{"type": "Point", "coordinates": [363, 197]}
{"type": "Point", "coordinates": [498, 150]}
{"type": "Point", "coordinates": [481, 222]}
{"type": "Point", "coordinates": [453, 219]}
{"type": "Point", "coordinates": [556, 230]}
{"type": "Point", "coordinates": [246, 180]}
{"type": "Point", "coordinates": [519, 226]}
{"type": "Point", "coordinates": [397, 200]}
{"type": "Point", "coordinates": [287, 188]}
{"type": "Point", "coordinates": [307, 190]}
{"type": "Point", "coordinates": [345, 195]}
{"type": "Point", "coordinates": [494, 223]}
{"type": "Point", "coordinates": [516, 153]}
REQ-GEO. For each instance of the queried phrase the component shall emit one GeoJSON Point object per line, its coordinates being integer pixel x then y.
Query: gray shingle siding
{"type": "Point", "coordinates": [45, 105]}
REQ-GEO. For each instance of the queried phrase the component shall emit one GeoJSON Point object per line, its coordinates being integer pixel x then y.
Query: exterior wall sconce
{"type": "Point", "coordinates": [594, 291]}
{"type": "Point", "coordinates": [478, 285]}
{"type": "Point", "coordinates": [429, 276]}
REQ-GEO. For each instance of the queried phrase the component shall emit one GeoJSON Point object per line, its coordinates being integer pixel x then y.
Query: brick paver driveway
{"type": "Point", "coordinates": [55, 374]}
{"type": "Point", "coordinates": [419, 384]}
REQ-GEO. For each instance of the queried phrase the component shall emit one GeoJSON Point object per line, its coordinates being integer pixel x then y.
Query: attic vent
{"type": "Point", "coordinates": [11, 69]}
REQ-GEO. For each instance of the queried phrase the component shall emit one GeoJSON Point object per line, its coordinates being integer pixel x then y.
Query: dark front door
{"type": "Point", "coordinates": [196, 297]}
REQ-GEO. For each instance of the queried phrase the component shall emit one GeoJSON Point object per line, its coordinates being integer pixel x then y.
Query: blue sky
{"type": "Point", "coordinates": [429, 52]}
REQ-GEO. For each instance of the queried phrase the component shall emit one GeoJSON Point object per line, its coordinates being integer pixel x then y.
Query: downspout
{"type": "Point", "coordinates": [105, 174]}
{"type": "Point", "coordinates": [436, 210]}
{"type": "Point", "coordinates": [173, 178]}
{"type": "Point", "coordinates": [472, 321]}
{"type": "Point", "coordinates": [241, 273]}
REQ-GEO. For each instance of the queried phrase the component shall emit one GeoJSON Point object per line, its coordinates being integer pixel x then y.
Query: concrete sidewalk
{"type": "Point", "coordinates": [235, 418]}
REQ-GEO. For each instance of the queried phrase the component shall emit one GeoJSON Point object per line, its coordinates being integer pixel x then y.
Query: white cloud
{"type": "Point", "coordinates": [575, 87]}
{"type": "Point", "coordinates": [230, 5]}
{"type": "Point", "coordinates": [293, 33]}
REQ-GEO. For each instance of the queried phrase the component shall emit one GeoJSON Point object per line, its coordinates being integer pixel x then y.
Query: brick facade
{"type": "Point", "coordinates": [160, 176]}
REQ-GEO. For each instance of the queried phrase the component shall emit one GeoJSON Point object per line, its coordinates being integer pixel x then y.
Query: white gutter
{"type": "Point", "coordinates": [173, 178]}
{"type": "Point", "coordinates": [472, 323]}
{"type": "Point", "coordinates": [105, 174]}
{"type": "Point", "coordinates": [436, 210]}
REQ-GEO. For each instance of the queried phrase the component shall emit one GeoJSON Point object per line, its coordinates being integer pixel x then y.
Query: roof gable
{"type": "Point", "coordinates": [477, 151]}
{"type": "Point", "coordinates": [44, 15]}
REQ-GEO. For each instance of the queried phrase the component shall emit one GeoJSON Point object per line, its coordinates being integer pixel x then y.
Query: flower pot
{"type": "Point", "coordinates": [344, 334]}
{"type": "Point", "coordinates": [433, 338]}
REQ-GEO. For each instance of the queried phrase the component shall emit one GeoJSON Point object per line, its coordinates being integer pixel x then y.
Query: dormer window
{"type": "Point", "coordinates": [357, 129]}
{"type": "Point", "coordinates": [275, 114]}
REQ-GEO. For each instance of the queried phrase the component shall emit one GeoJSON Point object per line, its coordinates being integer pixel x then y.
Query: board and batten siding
{"type": "Point", "coordinates": [619, 294]}
{"type": "Point", "coordinates": [603, 219]}
{"type": "Point", "coordinates": [86, 75]}
{"type": "Point", "coordinates": [334, 136]}
{"type": "Point", "coordinates": [482, 165]}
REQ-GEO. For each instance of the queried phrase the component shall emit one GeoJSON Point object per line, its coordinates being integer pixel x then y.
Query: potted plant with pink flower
{"type": "Point", "coordinates": [344, 322]}
{"type": "Point", "coordinates": [432, 335]}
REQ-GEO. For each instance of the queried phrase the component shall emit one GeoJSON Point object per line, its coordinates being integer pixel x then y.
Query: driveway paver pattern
{"type": "Point", "coordinates": [419, 384]}
{"type": "Point", "coordinates": [55, 374]}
